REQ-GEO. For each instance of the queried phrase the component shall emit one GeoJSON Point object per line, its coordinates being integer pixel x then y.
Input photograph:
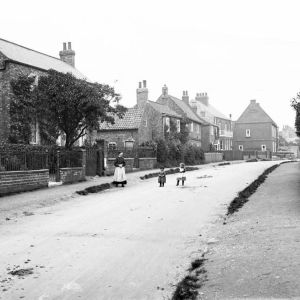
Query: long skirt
{"type": "Point", "coordinates": [119, 176]}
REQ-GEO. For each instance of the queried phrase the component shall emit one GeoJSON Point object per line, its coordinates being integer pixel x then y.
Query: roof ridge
{"type": "Point", "coordinates": [35, 51]}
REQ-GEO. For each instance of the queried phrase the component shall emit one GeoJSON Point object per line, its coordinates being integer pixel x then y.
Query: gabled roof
{"type": "Point", "coordinates": [163, 109]}
{"type": "Point", "coordinates": [20, 54]}
{"type": "Point", "coordinates": [185, 108]}
{"type": "Point", "coordinates": [255, 114]}
{"type": "Point", "coordinates": [212, 110]}
{"type": "Point", "coordinates": [131, 120]}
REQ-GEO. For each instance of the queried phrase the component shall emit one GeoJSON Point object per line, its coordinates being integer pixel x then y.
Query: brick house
{"type": "Point", "coordinates": [209, 113]}
{"type": "Point", "coordinates": [202, 133]}
{"type": "Point", "coordinates": [16, 60]}
{"type": "Point", "coordinates": [142, 123]}
{"type": "Point", "coordinates": [255, 130]}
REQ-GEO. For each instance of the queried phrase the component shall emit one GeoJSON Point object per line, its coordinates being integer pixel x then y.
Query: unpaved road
{"type": "Point", "coordinates": [131, 243]}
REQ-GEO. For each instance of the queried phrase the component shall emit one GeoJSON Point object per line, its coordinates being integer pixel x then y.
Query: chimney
{"type": "Point", "coordinates": [202, 97]}
{"type": "Point", "coordinates": [67, 55]}
{"type": "Point", "coordinates": [165, 90]}
{"type": "Point", "coordinates": [253, 101]}
{"type": "Point", "coordinates": [185, 97]}
{"type": "Point", "coordinates": [142, 94]}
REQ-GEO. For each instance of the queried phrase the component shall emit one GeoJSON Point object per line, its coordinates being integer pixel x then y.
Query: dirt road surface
{"type": "Point", "coordinates": [127, 243]}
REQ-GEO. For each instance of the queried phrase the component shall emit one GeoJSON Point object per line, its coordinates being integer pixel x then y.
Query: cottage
{"type": "Point", "coordinates": [255, 130]}
{"type": "Point", "coordinates": [142, 123]}
{"type": "Point", "coordinates": [16, 60]}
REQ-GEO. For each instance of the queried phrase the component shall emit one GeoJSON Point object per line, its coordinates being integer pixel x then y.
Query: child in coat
{"type": "Point", "coordinates": [162, 177]}
{"type": "Point", "coordinates": [181, 176]}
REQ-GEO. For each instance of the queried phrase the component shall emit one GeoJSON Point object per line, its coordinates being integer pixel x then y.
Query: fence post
{"type": "Point", "coordinates": [83, 163]}
{"type": "Point", "coordinates": [57, 175]}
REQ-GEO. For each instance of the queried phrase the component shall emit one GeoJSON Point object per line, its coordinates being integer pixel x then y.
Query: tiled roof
{"type": "Point", "coordinates": [211, 110]}
{"type": "Point", "coordinates": [163, 109]}
{"type": "Point", "coordinates": [186, 109]}
{"type": "Point", "coordinates": [36, 59]}
{"type": "Point", "coordinates": [131, 120]}
{"type": "Point", "coordinates": [254, 113]}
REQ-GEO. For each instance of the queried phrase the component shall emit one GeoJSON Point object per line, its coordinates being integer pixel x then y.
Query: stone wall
{"type": "Point", "coordinates": [71, 175]}
{"type": "Point", "coordinates": [21, 181]}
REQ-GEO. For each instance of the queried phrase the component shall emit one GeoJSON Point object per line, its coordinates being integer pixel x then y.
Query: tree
{"type": "Point", "coordinates": [21, 110]}
{"type": "Point", "coordinates": [296, 105]}
{"type": "Point", "coordinates": [66, 105]}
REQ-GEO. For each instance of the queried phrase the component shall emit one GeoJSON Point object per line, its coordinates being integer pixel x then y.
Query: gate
{"type": "Point", "coordinates": [94, 161]}
{"type": "Point", "coordinates": [53, 163]}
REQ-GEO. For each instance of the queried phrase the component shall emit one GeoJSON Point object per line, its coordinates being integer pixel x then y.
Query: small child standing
{"type": "Point", "coordinates": [181, 178]}
{"type": "Point", "coordinates": [162, 177]}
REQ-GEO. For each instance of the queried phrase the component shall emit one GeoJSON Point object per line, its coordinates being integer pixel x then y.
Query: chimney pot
{"type": "Point", "coordinates": [144, 83]}
{"type": "Point", "coordinates": [69, 46]}
{"type": "Point", "coordinates": [140, 85]}
{"type": "Point", "coordinates": [64, 46]}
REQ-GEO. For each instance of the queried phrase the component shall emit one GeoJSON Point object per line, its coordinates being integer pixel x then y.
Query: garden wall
{"type": "Point", "coordinates": [213, 157]}
{"type": "Point", "coordinates": [71, 175]}
{"type": "Point", "coordinates": [21, 181]}
{"type": "Point", "coordinates": [110, 168]}
{"type": "Point", "coordinates": [147, 163]}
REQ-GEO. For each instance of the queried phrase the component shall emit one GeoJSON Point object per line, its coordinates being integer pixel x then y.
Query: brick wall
{"type": "Point", "coordinates": [213, 157]}
{"type": "Point", "coordinates": [70, 175]}
{"type": "Point", "coordinates": [110, 168]}
{"type": "Point", "coordinates": [260, 134]}
{"type": "Point", "coordinates": [118, 136]}
{"type": "Point", "coordinates": [12, 71]}
{"type": "Point", "coordinates": [147, 163]}
{"type": "Point", "coordinates": [21, 181]}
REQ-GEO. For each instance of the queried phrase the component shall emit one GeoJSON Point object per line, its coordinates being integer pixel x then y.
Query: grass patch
{"type": "Point", "coordinates": [188, 287]}
{"type": "Point", "coordinates": [244, 195]}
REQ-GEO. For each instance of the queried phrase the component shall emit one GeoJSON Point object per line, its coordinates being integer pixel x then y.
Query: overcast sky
{"type": "Point", "coordinates": [235, 50]}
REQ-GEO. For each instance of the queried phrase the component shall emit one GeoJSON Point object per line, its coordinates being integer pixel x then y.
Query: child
{"type": "Point", "coordinates": [162, 177]}
{"type": "Point", "coordinates": [181, 172]}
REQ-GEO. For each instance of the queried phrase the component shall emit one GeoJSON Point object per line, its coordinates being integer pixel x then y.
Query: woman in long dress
{"type": "Point", "coordinates": [119, 176]}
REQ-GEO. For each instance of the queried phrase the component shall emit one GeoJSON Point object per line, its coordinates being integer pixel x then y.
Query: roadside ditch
{"type": "Point", "coordinates": [188, 288]}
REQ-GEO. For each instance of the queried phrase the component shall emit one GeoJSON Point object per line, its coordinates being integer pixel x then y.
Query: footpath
{"type": "Point", "coordinates": [256, 253]}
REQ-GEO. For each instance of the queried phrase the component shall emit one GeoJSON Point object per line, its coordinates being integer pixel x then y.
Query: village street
{"type": "Point", "coordinates": [127, 243]}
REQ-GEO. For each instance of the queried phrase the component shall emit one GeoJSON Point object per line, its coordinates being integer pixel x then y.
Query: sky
{"type": "Point", "coordinates": [234, 50]}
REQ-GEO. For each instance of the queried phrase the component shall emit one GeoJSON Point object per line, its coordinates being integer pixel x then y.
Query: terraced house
{"type": "Point", "coordinates": [209, 113]}
{"type": "Point", "coordinates": [202, 133]}
{"type": "Point", "coordinates": [16, 60]}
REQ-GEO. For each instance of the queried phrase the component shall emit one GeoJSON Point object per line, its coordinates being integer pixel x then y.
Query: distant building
{"type": "Point", "coordinates": [202, 133]}
{"type": "Point", "coordinates": [16, 60]}
{"type": "Point", "coordinates": [207, 112]}
{"type": "Point", "coordinates": [142, 123]}
{"type": "Point", "coordinates": [289, 134]}
{"type": "Point", "coordinates": [255, 130]}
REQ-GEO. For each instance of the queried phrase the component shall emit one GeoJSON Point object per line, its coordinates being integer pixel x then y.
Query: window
{"type": "Point", "coordinates": [112, 146]}
{"type": "Point", "coordinates": [192, 126]}
{"type": "Point", "coordinates": [168, 124]}
{"type": "Point", "coordinates": [248, 133]}
{"type": "Point", "coordinates": [263, 148]}
{"type": "Point", "coordinates": [129, 145]}
{"type": "Point", "coordinates": [221, 145]}
{"type": "Point", "coordinates": [178, 125]}
{"type": "Point", "coordinates": [241, 148]}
